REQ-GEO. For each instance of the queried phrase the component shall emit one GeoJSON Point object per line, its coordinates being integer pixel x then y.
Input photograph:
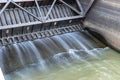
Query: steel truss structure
{"type": "Point", "coordinates": [41, 17]}
{"type": "Point", "coordinates": [14, 14]}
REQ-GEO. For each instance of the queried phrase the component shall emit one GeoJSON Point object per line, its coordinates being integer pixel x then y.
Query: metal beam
{"type": "Point", "coordinates": [5, 1]}
{"type": "Point", "coordinates": [50, 9]}
{"type": "Point", "coordinates": [80, 7]}
{"type": "Point", "coordinates": [89, 6]}
{"type": "Point", "coordinates": [75, 10]}
{"type": "Point", "coordinates": [38, 22]}
{"type": "Point", "coordinates": [6, 5]}
{"type": "Point", "coordinates": [25, 10]}
{"type": "Point", "coordinates": [36, 2]}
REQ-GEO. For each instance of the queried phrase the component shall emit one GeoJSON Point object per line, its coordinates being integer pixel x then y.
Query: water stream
{"type": "Point", "coordinates": [71, 56]}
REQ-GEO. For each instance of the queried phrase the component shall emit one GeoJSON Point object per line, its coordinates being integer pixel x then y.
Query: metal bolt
{"type": "Point", "coordinates": [19, 4]}
{"type": "Point", "coordinates": [28, 28]}
{"type": "Point", "coordinates": [70, 21]}
{"type": "Point", "coordinates": [7, 31]}
{"type": "Point", "coordinates": [55, 23]}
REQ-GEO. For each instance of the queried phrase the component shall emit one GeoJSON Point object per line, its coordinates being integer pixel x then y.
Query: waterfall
{"type": "Point", "coordinates": [41, 62]}
{"type": "Point", "coordinates": [44, 54]}
{"type": "Point", "coordinates": [62, 42]}
{"type": "Point", "coordinates": [82, 45]}
{"type": "Point", "coordinates": [19, 54]}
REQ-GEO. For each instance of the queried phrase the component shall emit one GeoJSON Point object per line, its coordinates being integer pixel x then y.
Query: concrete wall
{"type": "Point", "coordinates": [104, 18]}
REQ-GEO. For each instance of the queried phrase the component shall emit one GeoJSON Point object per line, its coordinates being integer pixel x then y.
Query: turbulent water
{"type": "Point", "coordinates": [72, 56]}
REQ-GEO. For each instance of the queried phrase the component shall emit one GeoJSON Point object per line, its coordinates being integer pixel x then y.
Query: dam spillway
{"type": "Point", "coordinates": [30, 52]}
{"type": "Point", "coordinates": [60, 57]}
{"type": "Point", "coordinates": [59, 40]}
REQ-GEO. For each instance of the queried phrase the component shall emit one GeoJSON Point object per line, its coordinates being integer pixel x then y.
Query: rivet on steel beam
{"type": "Point", "coordinates": [28, 28]}
{"type": "Point", "coordinates": [55, 23]}
{"type": "Point", "coordinates": [19, 4]}
{"type": "Point", "coordinates": [70, 21]}
{"type": "Point", "coordinates": [7, 31]}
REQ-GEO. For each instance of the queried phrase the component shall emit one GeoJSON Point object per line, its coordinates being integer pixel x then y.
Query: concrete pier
{"type": "Point", "coordinates": [104, 18]}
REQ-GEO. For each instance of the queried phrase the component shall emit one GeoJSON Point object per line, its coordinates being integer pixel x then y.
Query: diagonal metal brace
{"type": "Point", "coordinates": [25, 10]}
{"type": "Point", "coordinates": [50, 9]}
{"type": "Point", "coordinates": [6, 5]}
{"type": "Point", "coordinates": [36, 2]}
{"type": "Point", "coordinates": [89, 6]}
{"type": "Point", "coordinates": [80, 7]}
{"type": "Point", "coordinates": [75, 10]}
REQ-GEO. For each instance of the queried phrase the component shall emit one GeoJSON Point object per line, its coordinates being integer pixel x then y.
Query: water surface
{"type": "Point", "coordinates": [72, 56]}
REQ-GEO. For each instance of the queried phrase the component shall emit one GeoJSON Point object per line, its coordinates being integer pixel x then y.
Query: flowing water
{"type": "Point", "coordinates": [71, 56]}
